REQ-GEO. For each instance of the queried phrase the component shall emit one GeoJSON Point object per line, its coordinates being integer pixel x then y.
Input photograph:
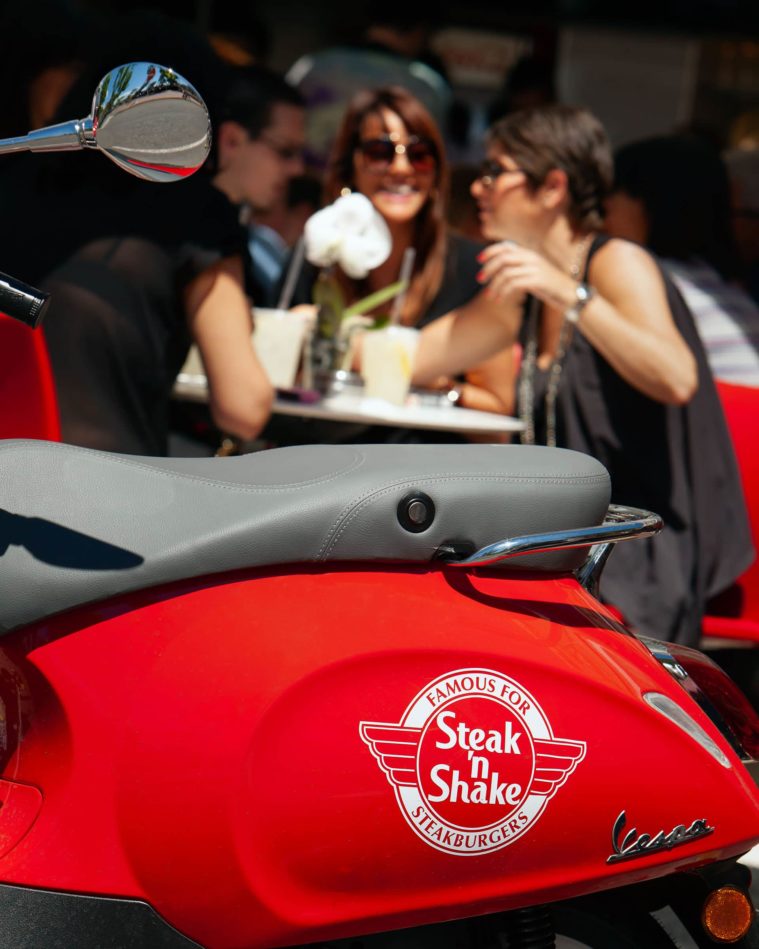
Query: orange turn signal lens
{"type": "Point", "coordinates": [728, 914]}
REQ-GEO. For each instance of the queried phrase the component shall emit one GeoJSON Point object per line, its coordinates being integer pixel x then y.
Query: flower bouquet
{"type": "Point", "coordinates": [352, 235]}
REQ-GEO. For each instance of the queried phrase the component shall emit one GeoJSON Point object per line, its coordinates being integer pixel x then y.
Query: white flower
{"type": "Point", "coordinates": [350, 232]}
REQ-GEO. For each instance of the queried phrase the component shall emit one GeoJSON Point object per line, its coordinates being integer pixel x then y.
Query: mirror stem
{"type": "Point", "coordinates": [67, 136]}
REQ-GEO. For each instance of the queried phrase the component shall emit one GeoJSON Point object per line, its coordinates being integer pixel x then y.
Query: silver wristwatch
{"type": "Point", "coordinates": [584, 293]}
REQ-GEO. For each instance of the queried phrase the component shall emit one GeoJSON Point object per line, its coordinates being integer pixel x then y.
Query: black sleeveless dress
{"type": "Point", "coordinates": [675, 460]}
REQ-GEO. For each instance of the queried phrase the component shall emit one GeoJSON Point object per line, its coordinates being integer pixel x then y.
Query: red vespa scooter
{"type": "Point", "coordinates": [351, 696]}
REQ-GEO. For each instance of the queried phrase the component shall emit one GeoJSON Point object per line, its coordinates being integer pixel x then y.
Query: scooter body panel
{"type": "Point", "coordinates": [273, 758]}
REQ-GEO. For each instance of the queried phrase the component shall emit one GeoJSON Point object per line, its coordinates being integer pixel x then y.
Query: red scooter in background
{"type": "Point", "coordinates": [350, 696]}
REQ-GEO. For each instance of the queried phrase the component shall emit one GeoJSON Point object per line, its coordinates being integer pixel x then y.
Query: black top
{"type": "Point", "coordinates": [675, 460]}
{"type": "Point", "coordinates": [459, 283]}
{"type": "Point", "coordinates": [116, 252]}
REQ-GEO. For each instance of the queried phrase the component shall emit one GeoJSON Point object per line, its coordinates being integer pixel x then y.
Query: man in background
{"type": "Point", "coordinates": [259, 139]}
{"type": "Point", "coordinates": [258, 148]}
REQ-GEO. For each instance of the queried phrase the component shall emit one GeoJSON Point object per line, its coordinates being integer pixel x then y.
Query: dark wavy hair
{"type": "Point", "coordinates": [430, 231]}
{"type": "Point", "coordinates": [566, 137]}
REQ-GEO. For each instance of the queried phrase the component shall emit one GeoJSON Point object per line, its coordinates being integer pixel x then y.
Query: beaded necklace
{"type": "Point", "coordinates": [526, 388]}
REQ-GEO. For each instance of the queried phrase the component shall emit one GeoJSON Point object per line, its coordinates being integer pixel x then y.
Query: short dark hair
{"type": "Point", "coordinates": [683, 184]}
{"type": "Point", "coordinates": [566, 137]}
{"type": "Point", "coordinates": [250, 95]}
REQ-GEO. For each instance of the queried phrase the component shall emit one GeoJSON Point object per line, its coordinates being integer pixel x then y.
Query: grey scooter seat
{"type": "Point", "coordinates": [78, 526]}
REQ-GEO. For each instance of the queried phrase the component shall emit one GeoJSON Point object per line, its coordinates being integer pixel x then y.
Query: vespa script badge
{"type": "Point", "coordinates": [634, 844]}
{"type": "Point", "coordinates": [473, 761]}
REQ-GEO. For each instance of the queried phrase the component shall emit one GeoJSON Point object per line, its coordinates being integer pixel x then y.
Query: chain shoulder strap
{"type": "Point", "coordinates": [526, 388]}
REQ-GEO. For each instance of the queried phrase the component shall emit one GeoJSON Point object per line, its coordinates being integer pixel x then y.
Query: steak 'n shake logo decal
{"type": "Point", "coordinates": [473, 761]}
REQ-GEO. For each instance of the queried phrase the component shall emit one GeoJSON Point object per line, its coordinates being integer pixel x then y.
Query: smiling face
{"type": "Point", "coordinates": [400, 184]}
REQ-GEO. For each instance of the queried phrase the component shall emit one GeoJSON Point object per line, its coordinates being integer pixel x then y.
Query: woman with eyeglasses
{"type": "Point", "coordinates": [612, 364]}
{"type": "Point", "coordinates": [390, 149]}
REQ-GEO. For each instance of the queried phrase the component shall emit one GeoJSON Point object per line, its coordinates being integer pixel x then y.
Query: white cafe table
{"type": "Point", "coordinates": [349, 407]}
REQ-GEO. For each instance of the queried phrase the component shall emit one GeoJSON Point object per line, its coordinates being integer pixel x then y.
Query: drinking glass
{"type": "Point", "coordinates": [387, 359]}
{"type": "Point", "coordinates": [278, 337]}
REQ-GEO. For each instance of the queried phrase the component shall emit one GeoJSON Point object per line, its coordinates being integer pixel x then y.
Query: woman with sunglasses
{"type": "Point", "coordinates": [390, 149]}
{"type": "Point", "coordinates": [612, 364]}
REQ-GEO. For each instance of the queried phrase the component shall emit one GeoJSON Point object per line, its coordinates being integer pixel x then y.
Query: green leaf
{"type": "Point", "coordinates": [327, 292]}
{"type": "Point", "coordinates": [380, 322]}
{"type": "Point", "coordinates": [329, 298]}
{"type": "Point", "coordinates": [376, 298]}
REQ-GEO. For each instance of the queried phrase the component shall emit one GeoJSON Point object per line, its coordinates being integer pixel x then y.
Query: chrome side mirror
{"type": "Point", "coordinates": [146, 118]}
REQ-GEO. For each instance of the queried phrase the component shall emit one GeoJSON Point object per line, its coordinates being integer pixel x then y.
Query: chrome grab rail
{"type": "Point", "coordinates": [621, 523]}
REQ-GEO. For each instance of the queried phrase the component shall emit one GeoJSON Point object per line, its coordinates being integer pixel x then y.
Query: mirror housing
{"type": "Point", "coordinates": [146, 118]}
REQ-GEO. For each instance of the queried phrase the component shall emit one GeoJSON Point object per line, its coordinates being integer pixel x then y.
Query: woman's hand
{"type": "Point", "coordinates": [628, 320]}
{"type": "Point", "coordinates": [511, 271]}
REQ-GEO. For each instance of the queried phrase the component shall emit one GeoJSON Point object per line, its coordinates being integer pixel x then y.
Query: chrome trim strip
{"type": "Point", "coordinates": [621, 523]}
{"type": "Point", "coordinates": [667, 707]}
{"type": "Point", "coordinates": [662, 652]}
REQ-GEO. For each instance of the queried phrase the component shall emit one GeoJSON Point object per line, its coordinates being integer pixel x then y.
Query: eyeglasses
{"type": "Point", "coordinates": [285, 152]}
{"type": "Point", "coordinates": [492, 169]}
{"type": "Point", "coordinates": [380, 153]}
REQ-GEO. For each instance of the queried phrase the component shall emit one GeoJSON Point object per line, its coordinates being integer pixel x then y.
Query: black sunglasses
{"type": "Point", "coordinates": [492, 169]}
{"type": "Point", "coordinates": [380, 153]}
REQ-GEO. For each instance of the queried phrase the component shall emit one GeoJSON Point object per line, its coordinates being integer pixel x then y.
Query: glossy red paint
{"type": "Point", "coordinates": [734, 614]}
{"type": "Point", "coordinates": [28, 403]}
{"type": "Point", "coordinates": [200, 747]}
{"type": "Point", "coordinates": [20, 804]}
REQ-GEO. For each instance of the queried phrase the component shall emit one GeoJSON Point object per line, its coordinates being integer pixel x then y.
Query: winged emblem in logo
{"type": "Point", "coordinates": [395, 749]}
{"type": "Point", "coordinates": [473, 761]}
